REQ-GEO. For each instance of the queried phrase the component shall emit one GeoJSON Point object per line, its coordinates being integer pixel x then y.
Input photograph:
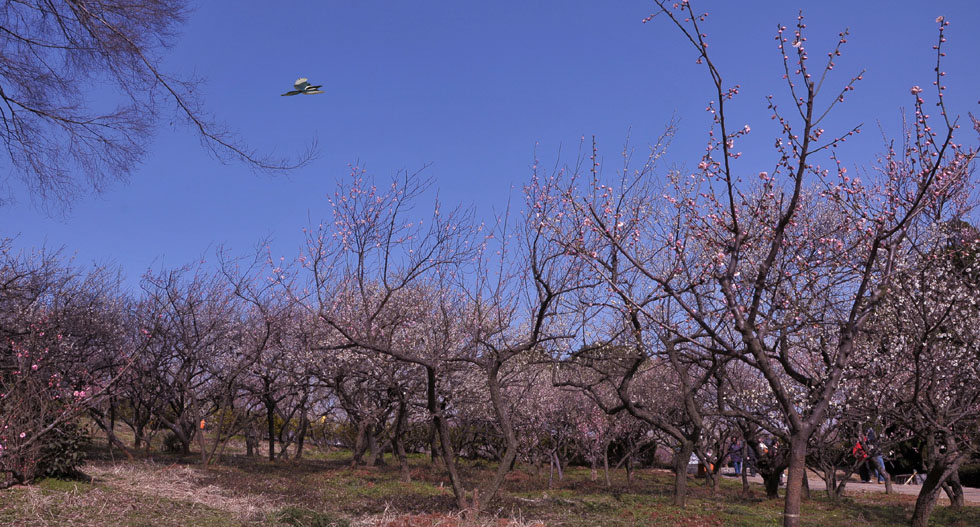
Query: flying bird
{"type": "Point", "coordinates": [302, 85]}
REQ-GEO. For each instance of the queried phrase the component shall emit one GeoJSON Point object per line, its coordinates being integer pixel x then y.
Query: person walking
{"type": "Point", "coordinates": [874, 453]}
{"type": "Point", "coordinates": [735, 453]}
{"type": "Point", "coordinates": [860, 453]}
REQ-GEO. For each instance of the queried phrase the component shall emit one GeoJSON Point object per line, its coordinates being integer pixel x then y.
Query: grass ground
{"type": "Point", "coordinates": [324, 491]}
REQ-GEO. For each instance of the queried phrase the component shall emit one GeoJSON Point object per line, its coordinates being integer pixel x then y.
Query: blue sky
{"type": "Point", "coordinates": [470, 88]}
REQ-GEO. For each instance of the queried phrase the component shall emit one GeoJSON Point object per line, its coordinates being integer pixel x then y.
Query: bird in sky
{"type": "Point", "coordinates": [302, 85]}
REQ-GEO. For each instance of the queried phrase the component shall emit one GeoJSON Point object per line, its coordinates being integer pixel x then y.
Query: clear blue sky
{"type": "Point", "coordinates": [470, 88]}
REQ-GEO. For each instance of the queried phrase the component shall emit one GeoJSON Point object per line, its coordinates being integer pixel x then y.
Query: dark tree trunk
{"type": "Point", "coordinates": [360, 444]}
{"type": "Point", "coordinates": [270, 416]}
{"type": "Point", "coordinates": [433, 443]}
{"type": "Point", "coordinates": [489, 491]}
{"type": "Point", "coordinates": [397, 442]}
{"type": "Point", "coordinates": [954, 489]}
{"type": "Point", "coordinates": [251, 439]}
{"type": "Point", "coordinates": [605, 464]}
{"type": "Point", "coordinates": [770, 480]}
{"type": "Point", "coordinates": [806, 484]}
{"type": "Point", "coordinates": [928, 495]}
{"type": "Point", "coordinates": [681, 460]}
{"type": "Point", "coordinates": [112, 418]}
{"type": "Point", "coordinates": [304, 425]}
{"type": "Point", "coordinates": [445, 442]}
{"type": "Point", "coordinates": [138, 436]}
{"type": "Point", "coordinates": [888, 478]}
{"type": "Point", "coordinates": [375, 456]}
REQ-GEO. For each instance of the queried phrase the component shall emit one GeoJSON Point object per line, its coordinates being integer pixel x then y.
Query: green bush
{"type": "Point", "coordinates": [64, 452]}
{"type": "Point", "coordinates": [172, 443]}
{"type": "Point", "coordinates": [970, 474]}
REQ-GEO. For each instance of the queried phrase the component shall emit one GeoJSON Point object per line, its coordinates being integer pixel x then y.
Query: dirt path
{"type": "Point", "coordinates": [970, 494]}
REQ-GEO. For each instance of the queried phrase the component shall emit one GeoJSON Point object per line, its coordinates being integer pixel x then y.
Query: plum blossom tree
{"type": "Point", "coordinates": [598, 222]}
{"type": "Point", "coordinates": [372, 277]}
{"type": "Point", "coordinates": [925, 343]}
{"type": "Point", "coordinates": [434, 297]}
{"type": "Point", "coordinates": [784, 273]}
{"type": "Point", "coordinates": [58, 326]}
{"type": "Point", "coordinates": [192, 314]}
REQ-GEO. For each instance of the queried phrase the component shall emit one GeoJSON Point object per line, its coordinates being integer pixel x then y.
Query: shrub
{"type": "Point", "coordinates": [172, 443]}
{"type": "Point", "coordinates": [970, 474]}
{"type": "Point", "coordinates": [64, 452]}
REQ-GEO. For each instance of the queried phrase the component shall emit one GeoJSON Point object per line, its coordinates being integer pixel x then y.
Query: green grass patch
{"type": "Point", "coordinates": [64, 485]}
{"type": "Point", "coordinates": [301, 517]}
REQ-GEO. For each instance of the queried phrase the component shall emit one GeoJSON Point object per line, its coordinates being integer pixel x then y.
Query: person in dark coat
{"type": "Point", "coordinates": [874, 453]}
{"type": "Point", "coordinates": [735, 453]}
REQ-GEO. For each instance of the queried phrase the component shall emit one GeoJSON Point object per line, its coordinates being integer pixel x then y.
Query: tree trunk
{"type": "Point", "coordinates": [445, 442]}
{"type": "Point", "coordinates": [509, 458]}
{"type": "Point", "coordinates": [830, 481]}
{"type": "Point", "coordinates": [398, 446]}
{"type": "Point", "coordinates": [928, 496]}
{"type": "Point", "coordinates": [681, 459]}
{"type": "Point", "coordinates": [605, 464]}
{"type": "Point", "coordinates": [138, 437]}
{"type": "Point", "coordinates": [360, 444]}
{"type": "Point", "coordinates": [561, 472]}
{"type": "Point", "coordinates": [712, 476]}
{"type": "Point", "coordinates": [374, 452]}
{"type": "Point", "coordinates": [879, 464]}
{"type": "Point", "coordinates": [433, 439]}
{"type": "Point", "coordinates": [270, 416]}
{"type": "Point", "coordinates": [304, 425]}
{"type": "Point", "coordinates": [941, 471]}
{"type": "Point", "coordinates": [794, 479]}
{"type": "Point", "coordinates": [551, 471]}
{"type": "Point", "coordinates": [806, 484]}
{"type": "Point", "coordinates": [111, 436]}
{"type": "Point", "coordinates": [770, 480]}
{"type": "Point", "coordinates": [954, 489]}
{"type": "Point", "coordinates": [112, 418]}
{"type": "Point", "coordinates": [251, 439]}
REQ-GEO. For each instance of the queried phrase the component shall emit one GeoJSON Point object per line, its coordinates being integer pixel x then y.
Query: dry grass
{"type": "Point", "coordinates": [391, 518]}
{"type": "Point", "coordinates": [178, 483]}
{"type": "Point", "coordinates": [324, 491]}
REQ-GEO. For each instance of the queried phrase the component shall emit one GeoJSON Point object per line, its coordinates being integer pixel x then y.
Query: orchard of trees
{"type": "Point", "coordinates": [611, 312]}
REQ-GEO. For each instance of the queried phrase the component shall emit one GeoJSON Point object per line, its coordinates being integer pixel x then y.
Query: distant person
{"type": "Point", "coordinates": [860, 453]}
{"type": "Point", "coordinates": [735, 453]}
{"type": "Point", "coordinates": [877, 461]}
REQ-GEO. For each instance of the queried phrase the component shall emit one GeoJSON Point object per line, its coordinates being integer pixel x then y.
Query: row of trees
{"type": "Point", "coordinates": [511, 343]}
{"type": "Point", "coordinates": [613, 310]}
